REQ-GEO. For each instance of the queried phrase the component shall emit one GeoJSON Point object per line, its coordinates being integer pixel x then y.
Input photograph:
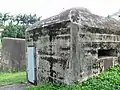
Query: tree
{"type": "Point", "coordinates": [11, 18]}
{"type": "Point", "coordinates": [5, 17]}
{"type": "Point", "coordinates": [1, 16]}
{"type": "Point", "coordinates": [17, 30]}
{"type": "Point", "coordinates": [17, 19]}
{"type": "Point", "coordinates": [14, 31]}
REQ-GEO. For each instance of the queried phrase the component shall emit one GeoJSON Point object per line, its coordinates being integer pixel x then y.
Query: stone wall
{"type": "Point", "coordinates": [13, 55]}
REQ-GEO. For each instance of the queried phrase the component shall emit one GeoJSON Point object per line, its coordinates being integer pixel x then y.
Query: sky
{"type": "Point", "coordinates": [47, 8]}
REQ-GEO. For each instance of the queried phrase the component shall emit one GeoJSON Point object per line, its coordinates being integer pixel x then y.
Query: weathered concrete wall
{"type": "Point", "coordinates": [74, 45]}
{"type": "Point", "coordinates": [13, 55]}
{"type": "Point", "coordinates": [53, 52]}
{"type": "Point", "coordinates": [89, 45]}
{"type": "Point", "coordinates": [67, 53]}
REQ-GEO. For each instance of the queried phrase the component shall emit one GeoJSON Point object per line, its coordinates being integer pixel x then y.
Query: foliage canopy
{"type": "Point", "coordinates": [14, 31]}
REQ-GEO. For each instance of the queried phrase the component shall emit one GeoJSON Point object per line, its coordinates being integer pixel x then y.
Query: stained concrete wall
{"type": "Point", "coordinates": [67, 53]}
{"type": "Point", "coordinates": [88, 45]}
{"type": "Point", "coordinates": [53, 49]}
{"type": "Point", "coordinates": [13, 55]}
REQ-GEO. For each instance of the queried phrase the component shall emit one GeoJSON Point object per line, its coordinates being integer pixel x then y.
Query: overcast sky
{"type": "Point", "coordinates": [47, 8]}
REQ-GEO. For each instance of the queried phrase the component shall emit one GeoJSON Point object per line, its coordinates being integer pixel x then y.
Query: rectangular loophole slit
{"type": "Point", "coordinates": [107, 53]}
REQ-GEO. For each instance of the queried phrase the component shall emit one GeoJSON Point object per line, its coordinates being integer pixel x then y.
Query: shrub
{"type": "Point", "coordinates": [14, 31]}
{"type": "Point", "coordinates": [109, 80]}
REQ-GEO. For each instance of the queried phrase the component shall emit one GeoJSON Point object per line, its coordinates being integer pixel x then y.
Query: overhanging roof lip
{"type": "Point", "coordinates": [80, 16]}
{"type": "Point", "coordinates": [44, 25]}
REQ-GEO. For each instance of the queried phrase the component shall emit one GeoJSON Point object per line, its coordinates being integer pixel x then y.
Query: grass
{"type": "Point", "coordinates": [109, 80]}
{"type": "Point", "coordinates": [12, 78]}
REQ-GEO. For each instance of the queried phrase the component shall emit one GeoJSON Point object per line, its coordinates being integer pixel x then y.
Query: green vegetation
{"type": "Point", "coordinates": [14, 31]}
{"type": "Point", "coordinates": [12, 78]}
{"type": "Point", "coordinates": [109, 80]}
{"type": "Point", "coordinates": [15, 25]}
{"type": "Point", "coordinates": [19, 19]}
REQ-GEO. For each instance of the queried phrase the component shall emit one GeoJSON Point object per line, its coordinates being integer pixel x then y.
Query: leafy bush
{"type": "Point", "coordinates": [14, 31]}
{"type": "Point", "coordinates": [109, 80]}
